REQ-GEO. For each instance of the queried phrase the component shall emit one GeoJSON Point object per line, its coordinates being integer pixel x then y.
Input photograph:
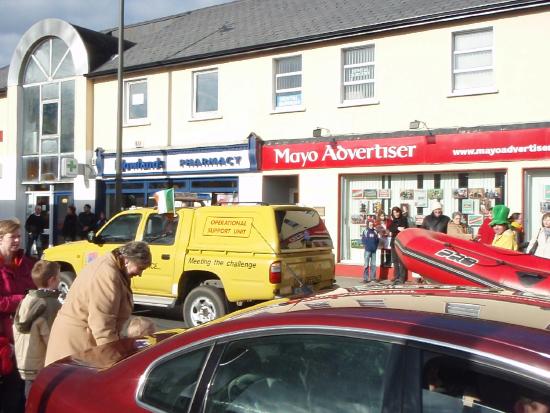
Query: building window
{"type": "Point", "coordinates": [358, 74]}
{"type": "Point", "coordinates": [288, 82]}
{"type": "Point", "coordinates": [205, 89]}
{"type": "Point", "coordinates": [136, 101]}
{"type": "Point", "coordinates": [473, 61]}
{"type": "Point", "coordinates": [48, 111]}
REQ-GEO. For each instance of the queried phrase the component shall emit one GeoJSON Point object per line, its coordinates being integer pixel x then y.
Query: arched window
{"type": "Point", "coordinates": [48, 110]}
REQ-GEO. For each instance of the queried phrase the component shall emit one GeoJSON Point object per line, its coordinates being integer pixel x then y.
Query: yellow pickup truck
{"type": "Point", "coordinates": [212, 259]}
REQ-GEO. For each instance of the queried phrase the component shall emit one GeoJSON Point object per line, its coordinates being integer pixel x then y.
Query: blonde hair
{"type": "Point", "coordinates": [9, 226]}
{"type": "Point", "coordinates": [42, 271]}
{"type": "Point", "coordinates": [140, 326]}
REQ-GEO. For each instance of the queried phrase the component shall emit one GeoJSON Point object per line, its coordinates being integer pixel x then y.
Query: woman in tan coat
{"type": "Point", "coordinates": [99, 302]}
{"type": "Point", "coordinates": [456, 229]}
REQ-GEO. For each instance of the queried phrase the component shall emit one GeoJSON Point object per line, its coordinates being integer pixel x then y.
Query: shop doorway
{"type": "Point", "coordinates": [62, 201]}
{"type": "Point", "coordinates": [281, 189]}
{"type": "Point", "coordinates": [43, 199]}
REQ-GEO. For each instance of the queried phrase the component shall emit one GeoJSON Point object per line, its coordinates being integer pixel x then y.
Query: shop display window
{"type": "Point", "coordinates": [365, 196]}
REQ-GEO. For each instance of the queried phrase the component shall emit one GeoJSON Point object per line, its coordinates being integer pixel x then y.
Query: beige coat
{"type": "Point", "coordinates": [97, 306]}
{"type": "Point", "coordinates": [458, 231]}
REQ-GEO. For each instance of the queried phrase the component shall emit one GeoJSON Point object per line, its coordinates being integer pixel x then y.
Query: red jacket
{"type": "Point", "coordinates": [486, 234]}
{"type": "Point", "coordinates": [15, 281]}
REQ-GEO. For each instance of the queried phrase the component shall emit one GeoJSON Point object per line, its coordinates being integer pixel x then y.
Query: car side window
{"type": "Point", "coordinates": [301, 373]}
{"type": "Point", "coordinates": [121, 229]}
{"type": "Point", "coordinates": [160, 229]}
{"type": "Point", "coordinates": [170, 386]}
{"type": "Point", "coordinates": [451, 384]}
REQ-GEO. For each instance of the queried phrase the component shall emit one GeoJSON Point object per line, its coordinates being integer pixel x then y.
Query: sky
{"type": "Point", "coordinates": [17, 16]}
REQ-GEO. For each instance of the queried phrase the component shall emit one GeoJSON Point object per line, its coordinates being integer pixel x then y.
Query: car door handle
{"type": "Point", "coordinates": [165, 256]}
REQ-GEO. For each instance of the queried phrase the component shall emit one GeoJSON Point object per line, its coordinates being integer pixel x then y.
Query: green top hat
{"type": "Point", "coordinates": [500, 215]}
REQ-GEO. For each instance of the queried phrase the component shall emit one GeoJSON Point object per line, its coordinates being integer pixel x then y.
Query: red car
{"type": "Point", "coordinates": [392, 349]}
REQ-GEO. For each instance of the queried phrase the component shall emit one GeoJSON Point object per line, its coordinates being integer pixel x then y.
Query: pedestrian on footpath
{"type": "Point", "coordinates": [370, 239]}
{"type": "Point", "coordinates": [15, 280]}
{"type": "Point", "coordinates": [382, 225]}
{"type": "Point", "coordinates": [87, 221]}
{"type": "Point", "coordinates": [436, 221]}
{"type": "Point", "coordinates": [33, 321]}
{"type": "Point", "coordinates": [398, 224]}
{"type": "Point", "coordinates": [35, 225]}
{"type": "Point", "coordinates": [99, 302]}
{"type": "Point", "coordinates": [540, 244]}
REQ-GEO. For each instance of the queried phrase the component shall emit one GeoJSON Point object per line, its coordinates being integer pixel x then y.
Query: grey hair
{"type": "Point", "coordinates": [456, 213]}
{"type": "Point", "coordinates": [137, 252]}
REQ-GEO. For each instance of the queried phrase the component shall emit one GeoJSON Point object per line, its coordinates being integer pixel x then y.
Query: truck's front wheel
{"type": "Point", "coordinates": [66, 279]}
{"type": "Point", "coordinates": [203, 304]}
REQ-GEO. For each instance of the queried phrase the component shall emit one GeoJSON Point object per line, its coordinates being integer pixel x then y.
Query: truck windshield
{"type": "Point", "coordinates": [301, 229]}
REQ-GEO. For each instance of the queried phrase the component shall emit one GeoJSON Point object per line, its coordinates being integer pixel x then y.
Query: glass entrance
{"type": "Point", "coordinates": [62, 201]}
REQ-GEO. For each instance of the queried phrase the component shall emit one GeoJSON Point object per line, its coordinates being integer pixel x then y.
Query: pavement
{"type": "Point", "coordinates": [343, 281]}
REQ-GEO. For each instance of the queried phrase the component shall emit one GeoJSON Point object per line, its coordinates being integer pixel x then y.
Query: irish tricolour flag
{"type": "Point", "coordinates": [165, 201]}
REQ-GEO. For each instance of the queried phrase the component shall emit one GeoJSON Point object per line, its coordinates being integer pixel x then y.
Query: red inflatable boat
{"type": "Point", "coordinates": [448, 260]}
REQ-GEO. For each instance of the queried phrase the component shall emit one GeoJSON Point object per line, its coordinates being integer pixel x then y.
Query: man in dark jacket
{"type": "Point", "coordinates": [436, 221]}
{"type": "Point", "coordinates": [398, 223]}
{"type": "Point", "coordinates": [34, 226]}
{"type": "Point", "coordinates": [369, 239]}
{"type": "Point", "coordinates": [86, 220]}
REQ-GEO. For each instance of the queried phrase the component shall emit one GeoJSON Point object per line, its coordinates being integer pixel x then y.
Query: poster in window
{"type": "Point", "coordinates": [384, 193]}
{"type": "Point", "coordinates": [435, 193]}
{"type": "Point", "coordinates": [475, 220]}
{"type": "Point", "coordinates": [420, 198]}
{"type": "Point", "coordinates": [460, 193]}
{"type": "Point", "coordinates": [357, 193]}
{"type": "Point", "coordinates": [356, 243]}
{"type": "Point", "coordinates": [359, 218]}
{"type": "Point", "coordinates": [476, 193]}
{"type": "Point", "coordinates": [547, 192]}
{"type": "Point", "coordinates": [406, 194]}
{"type": "Point", "coordinates": [485, 205]}
{"type": "Point", "coordinates": [545, 207]}
{"type": "Point", "coordinates": [370, 193]}
{"type": "Point", "coordinates": [468, 206]}
{"type": "Point", "coordinates": [493, 193]}
{"type": "Point", "coordinates": [364, 207]}
{"type": "Point", "coordinates": [419, 219]}
{"type": "Point", "coordinates": [376, 207]}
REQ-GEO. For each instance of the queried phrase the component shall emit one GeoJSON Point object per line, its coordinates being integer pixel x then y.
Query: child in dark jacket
{"type": "Point", "coordinates": [370, 239]}
{"type": "Point", "coordinates": [33, 321]}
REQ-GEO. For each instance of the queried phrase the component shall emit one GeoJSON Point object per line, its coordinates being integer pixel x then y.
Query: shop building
{"type": "Point", "coordinates": [349, 74]}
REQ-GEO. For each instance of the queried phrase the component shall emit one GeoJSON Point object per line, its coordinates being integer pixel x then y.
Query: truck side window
{"type": "Point", "coordinates": [120, 230]}
{"type": "Point", "coordinates": [160, 229]}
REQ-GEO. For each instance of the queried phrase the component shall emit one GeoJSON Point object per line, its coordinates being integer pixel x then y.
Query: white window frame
{"type": "Point", "coordinates": [290, 108]}
{"type": "Point", "coordinates": [137, 121]}
{"type": "Point", "coordinates": [215, 114]}
{"type": "Point", "coordinates": [356, 102]}
{"type": "Point", "coordinates": [478, 90]}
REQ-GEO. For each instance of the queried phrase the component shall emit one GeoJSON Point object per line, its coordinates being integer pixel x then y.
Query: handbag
{"type": "Point", "coordinates": [535, 245]}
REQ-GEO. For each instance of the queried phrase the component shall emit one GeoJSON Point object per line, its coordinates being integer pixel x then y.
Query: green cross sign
{"type": "Point", "coordinates": [72, 166]}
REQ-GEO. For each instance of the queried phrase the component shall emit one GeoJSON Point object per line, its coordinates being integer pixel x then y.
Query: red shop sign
{"type": "Point", "coordinates": [492, 146]}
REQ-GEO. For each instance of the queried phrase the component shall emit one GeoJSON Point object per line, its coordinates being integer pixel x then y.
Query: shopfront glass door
{"type": "Point", "coordinates": [61, 204]}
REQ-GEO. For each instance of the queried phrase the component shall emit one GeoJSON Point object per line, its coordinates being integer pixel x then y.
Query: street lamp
{"type": "Point", "coordinates": [118, 160]}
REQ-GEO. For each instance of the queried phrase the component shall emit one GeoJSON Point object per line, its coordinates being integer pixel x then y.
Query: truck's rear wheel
{"type": "Point", "coordinates": [203, 304]}
{"type": "Point", "coordinates": [66, 279]}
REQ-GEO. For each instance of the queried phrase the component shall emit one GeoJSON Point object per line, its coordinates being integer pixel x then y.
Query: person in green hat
{"type": "Point", "coordinates": [504, 236]}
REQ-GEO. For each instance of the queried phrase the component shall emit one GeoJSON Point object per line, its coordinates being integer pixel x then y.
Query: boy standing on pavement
{"type": "Point", "coordinates": [369, 239]}
{"type": "Point", "coordinates": [33, 320]}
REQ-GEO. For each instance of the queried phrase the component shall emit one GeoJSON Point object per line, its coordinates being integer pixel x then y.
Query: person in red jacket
{"type": "Point", "coordinates": [485, 233]}
{"type": "Point", "coordinates": [15, 280]}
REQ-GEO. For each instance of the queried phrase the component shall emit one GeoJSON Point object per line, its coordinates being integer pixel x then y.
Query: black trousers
{"type": "Point", "coordinates": [399, 270]}
{"type": "Point", "coordinates": [12, 390]}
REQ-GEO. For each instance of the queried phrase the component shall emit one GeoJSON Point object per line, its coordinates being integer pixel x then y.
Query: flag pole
{"type": "Point", "coordinates": [118, 160]}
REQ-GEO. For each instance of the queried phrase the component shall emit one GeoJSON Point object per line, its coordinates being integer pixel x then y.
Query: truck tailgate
{"type": "Point", "coordinates": [311, 271]}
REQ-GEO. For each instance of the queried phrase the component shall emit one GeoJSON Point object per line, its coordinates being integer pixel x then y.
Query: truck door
{"type": "Point", "coordinates": [117, 232]}
{"type": "Point", "coordinates": [160, 233]}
